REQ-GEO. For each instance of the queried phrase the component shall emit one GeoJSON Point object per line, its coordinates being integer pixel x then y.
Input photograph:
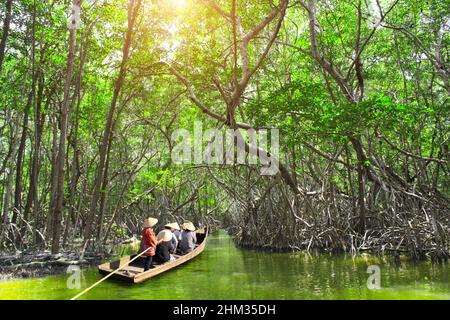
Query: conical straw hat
{"type": "Point", "coordinates": [188, 226]}
{"type": "Point", "coordinates": [150, 222]}
{"type": "Point", "coordinates": [173, 225]}
{"type": "Point", "coordinates": [176, 226]}
{"type": "Point", "coordinates": [165, 235]}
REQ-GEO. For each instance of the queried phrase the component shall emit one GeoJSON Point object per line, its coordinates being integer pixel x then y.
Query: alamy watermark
{"type": "Point", "coordinates": [74, 19]}
{"type": "Point", "coordinates": [227, 146]}
{"type": "Point", "coordinates": [75, 277]}
{"type": "Point", "coordinates": [374, 280]}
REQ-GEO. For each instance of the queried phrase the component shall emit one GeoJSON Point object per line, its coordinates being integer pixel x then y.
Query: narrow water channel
{"type": "Point", "coordinates": [223, 271]}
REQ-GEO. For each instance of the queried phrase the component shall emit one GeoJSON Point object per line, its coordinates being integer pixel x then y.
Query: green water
{"type": "Point", "coordinates": [224, 272]}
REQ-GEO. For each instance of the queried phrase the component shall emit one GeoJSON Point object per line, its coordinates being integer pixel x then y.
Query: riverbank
{"type": "Point", "coordinates": [36, 264]}
{"type": "Point", "coordinates": [41, 263]}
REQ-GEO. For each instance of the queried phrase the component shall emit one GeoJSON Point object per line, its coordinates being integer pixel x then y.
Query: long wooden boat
{"type": "Point", "coordinates": [134, 272]}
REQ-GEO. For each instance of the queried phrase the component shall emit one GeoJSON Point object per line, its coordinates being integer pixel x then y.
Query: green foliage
{"type": "Point", "coordinates": [119, 232]}
{"type": "Point", "coordinates": [405, 98]}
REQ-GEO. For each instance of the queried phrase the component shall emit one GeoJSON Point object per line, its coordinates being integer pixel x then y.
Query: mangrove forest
{"type": "Point", "coordinates": [296, 126]}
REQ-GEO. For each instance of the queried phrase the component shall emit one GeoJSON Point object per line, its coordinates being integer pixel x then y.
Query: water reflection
{"type": "Point", "coordinates": [224, 272]}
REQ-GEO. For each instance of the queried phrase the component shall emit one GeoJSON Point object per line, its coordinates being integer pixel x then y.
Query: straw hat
{"type": "Point", "coordinates": [165, 235]}
{"type": "Point", "coordinates": [188, 226]}
{"type": "Point", "coordinates": [150, 222]}
{"type": "Point", "coordinates": [173, 225]}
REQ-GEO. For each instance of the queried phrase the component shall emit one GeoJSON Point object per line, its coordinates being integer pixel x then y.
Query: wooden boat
{"type": "Point", "coordinates": [134, 272]}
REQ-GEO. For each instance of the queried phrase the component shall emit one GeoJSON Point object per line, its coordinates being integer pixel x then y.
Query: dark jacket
{"type": "Point", "coordinates": [163, 252]}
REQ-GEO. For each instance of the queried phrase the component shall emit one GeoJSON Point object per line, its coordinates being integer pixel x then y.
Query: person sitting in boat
{"type": "Point", "coordinates": [163, 248]}
{"type": "Point", "coordinates": [174, 228]}
{"type": "Point", "coordinates": [177, 233]}
{"type": "Point", "coordinates": [149, 241]}
{"type": "Point", "coordinates": [188, 237]}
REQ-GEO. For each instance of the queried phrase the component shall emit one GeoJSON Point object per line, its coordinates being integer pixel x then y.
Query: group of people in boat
{"type": "Point", "coordinates": [172, 239]}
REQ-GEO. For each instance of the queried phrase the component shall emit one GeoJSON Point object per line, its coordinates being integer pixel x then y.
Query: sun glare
{"type": "Point", "coordinates": [178, 3]}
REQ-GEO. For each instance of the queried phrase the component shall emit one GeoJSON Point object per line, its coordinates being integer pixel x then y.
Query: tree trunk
{"type": "Point", "coordinates": [57, 206]}
{"type": "Point", "coordinates": [75, 170]}
{"type": "Point", "coordinates": [361, 183]}
{"type": "Point", "coordinates": [19, 163]}
{"type": "Point", "coordinates": [15, 142]}
{"type": "Point", "coordinates": [33, 198]}
{"type": "Point", "coordinates": [53, 176]}
{"type": "Point", "coordinates": [133, 10]}
{"type": "Point", "coordinates": [30, 100]}
{"type": "Point", "coordinates": [5, 31]}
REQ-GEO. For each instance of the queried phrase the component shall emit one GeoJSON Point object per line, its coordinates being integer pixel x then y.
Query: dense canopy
{"type": "Point", "coordinates": [359, 91]}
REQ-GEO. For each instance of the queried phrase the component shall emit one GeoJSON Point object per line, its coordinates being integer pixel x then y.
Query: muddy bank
{"type": "Point", "coordinates": [43, 263]}
{"type": "Point", "coordinates": [40, 263]}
